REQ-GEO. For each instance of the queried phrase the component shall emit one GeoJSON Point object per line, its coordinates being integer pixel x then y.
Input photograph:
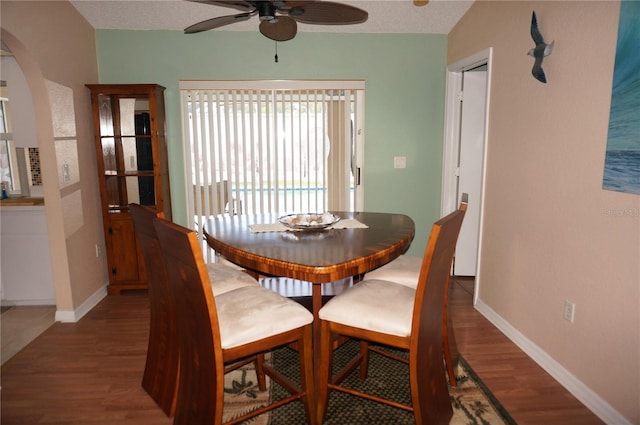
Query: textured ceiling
{"type": "Point", "coordinates": [388, 16]}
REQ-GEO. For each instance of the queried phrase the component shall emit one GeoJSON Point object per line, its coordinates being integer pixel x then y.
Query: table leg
{"type": "Point", "coordinates": [316, 300]}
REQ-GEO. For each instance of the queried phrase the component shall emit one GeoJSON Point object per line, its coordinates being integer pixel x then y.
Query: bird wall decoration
{"type": "Point", "coordinates": [541, 50]}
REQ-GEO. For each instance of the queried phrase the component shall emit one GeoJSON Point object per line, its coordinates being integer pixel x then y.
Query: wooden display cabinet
{"type": "Point", "coordinates": [130, 138]}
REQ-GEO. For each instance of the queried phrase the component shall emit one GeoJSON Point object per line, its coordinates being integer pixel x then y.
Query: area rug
{"type": "Point", "coordinates": [472, 402]}
{"type": "Point", "coordinates": [242, 395]}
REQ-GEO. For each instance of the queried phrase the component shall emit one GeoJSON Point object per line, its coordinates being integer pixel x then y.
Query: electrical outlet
{"type": "Point", "coordinates": [569, 311]}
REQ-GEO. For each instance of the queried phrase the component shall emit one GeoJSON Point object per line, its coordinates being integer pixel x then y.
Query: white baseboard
{"type": "Point", "coordinates": [42, 302]}
{"type": "Point", "coordinates": [77, 314]}
{"type": "Point", "coordinates": [593, 401]}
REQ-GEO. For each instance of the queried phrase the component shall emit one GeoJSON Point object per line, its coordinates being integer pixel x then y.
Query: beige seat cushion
{"type": "Point", "coordinates": [404, 270]}
{"type": "Point", "coordinates": [222, 260]}
{"type": "Point", "coordinates": [377, 305]}
{"type": "Point", "coordinates": [224, 278]}
{"type": "Point", "coordinates": [252, 313]}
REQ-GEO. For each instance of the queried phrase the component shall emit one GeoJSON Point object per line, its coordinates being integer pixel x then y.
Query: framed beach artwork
{"type": "Point", "coordinates": [622, 161]}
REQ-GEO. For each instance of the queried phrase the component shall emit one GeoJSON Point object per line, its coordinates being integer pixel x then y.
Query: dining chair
{"type": "Point", "coordinates": [221, 330]}
{"type": "Point", "coordinates": [214, 199]}
{"type": "Point", "coordinates": [405, 270]}
{"type": "Point", "coordinates": [160, 377]}
{"type": "Point", "coordinates": [396, 315]}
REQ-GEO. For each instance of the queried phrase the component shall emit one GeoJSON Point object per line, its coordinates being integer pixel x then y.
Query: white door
{"type": "Point", "coordinates": [467, 103]}
{"type": "Point", "coordinates": [470, 166]}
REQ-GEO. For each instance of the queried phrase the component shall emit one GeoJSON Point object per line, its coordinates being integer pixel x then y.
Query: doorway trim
{"type": "Point", "coordinates": [453, 118]}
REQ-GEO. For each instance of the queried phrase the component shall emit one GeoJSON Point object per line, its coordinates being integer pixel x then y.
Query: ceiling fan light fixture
{"type": "Point", "coordinates": [279, 18]}
{"type": "Point", "coordinates": [266, 11]}
{"type": "Point", "coordinates": [420, 2]}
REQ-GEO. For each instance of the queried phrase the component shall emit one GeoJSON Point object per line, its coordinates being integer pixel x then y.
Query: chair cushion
{"type": "Point", "coordinates": [222, 260]}
{"type": "Point", "coordinates": [376, 305]}
{"type": "Point", "coordinates": [224, 278]}
{"type": "Point", "coordinates": [404, 270]}
{"type": "Point", "coordinates": [252, 313]}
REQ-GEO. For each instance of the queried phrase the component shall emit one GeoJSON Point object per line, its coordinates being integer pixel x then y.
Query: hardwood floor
{"type": "Point", "coordinates": [90, 372]}
{"type": "Point", "coordinates": [84, 373]}
{"type": "Point", "coordinates": [527, 392]}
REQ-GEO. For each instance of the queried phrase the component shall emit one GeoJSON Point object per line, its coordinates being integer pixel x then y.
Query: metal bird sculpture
{"type": "Point", "coordinates": [541, 50]}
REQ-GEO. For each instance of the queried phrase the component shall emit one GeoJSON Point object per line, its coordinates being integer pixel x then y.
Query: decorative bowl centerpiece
{"type": "Point", "coordinates": [309, 221]}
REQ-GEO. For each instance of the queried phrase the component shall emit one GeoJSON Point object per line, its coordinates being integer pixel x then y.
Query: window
{"type": "Point", "coordinates": [8, 156]}
{"type": "Point", "coordinates": [272, 146]}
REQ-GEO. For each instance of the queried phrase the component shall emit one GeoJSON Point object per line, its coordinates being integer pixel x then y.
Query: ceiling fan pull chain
{"type": "Point", "coordinates": [276, 57]}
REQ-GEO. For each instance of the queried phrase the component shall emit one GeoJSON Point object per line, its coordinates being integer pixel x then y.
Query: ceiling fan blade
{"type": "Point", "coordinates": [329, 13]}
{"type": "Point", "coordinates": [235, 4]}
{"type": "Point", "coordinates": [218, 22]}
{"type": "Point", "coordinates": [282, 28]}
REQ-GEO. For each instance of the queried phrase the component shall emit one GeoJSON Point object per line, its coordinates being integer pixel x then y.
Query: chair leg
{"type": "Point", "coordinates": [160, 377]}
{"type": "Point", "coordinates": [451, 357]}
{"type": "Point", "coordinates": [262, 381]}
{"type": "Point", "coordinates": [364, 363]}
{"type": "Point", "coordinates": [429, 391]}
{"type": "Point", "coordinates": [307, 381]}
{"type": "Point", "coordinates": [449, 346]}
{"type": "Point", "coordinates": [325, 370]}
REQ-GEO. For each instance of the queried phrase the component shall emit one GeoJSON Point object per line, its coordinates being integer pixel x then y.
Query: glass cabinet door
{"type": "Point", "coordinates": [130, 140]}
{"type": "Point", "coordinates": [127, 152]}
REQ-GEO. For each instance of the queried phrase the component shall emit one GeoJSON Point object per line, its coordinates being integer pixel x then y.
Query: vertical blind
{"type": "Point", "coordinates": [272, 146]}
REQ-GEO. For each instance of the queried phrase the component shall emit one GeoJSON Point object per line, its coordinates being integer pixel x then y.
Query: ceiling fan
{"type": "Point", "coordinates": [279, 18]}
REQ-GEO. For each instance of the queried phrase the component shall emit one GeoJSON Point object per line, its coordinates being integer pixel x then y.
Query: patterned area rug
{"type": "Point", "coordinates": [242, 395]}
{"type": "Point", "coordinates": [471, 401]}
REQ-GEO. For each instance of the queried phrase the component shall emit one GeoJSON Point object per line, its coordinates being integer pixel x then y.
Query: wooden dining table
{"type": "Point", "coordinates": [319, 257]}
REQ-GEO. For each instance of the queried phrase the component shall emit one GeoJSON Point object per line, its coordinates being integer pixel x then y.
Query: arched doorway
{"type": "Point", "coordinates": [44, 133]}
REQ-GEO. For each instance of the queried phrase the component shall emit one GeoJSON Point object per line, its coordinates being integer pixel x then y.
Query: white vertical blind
{"type": "Point", "coordinates": [271, 146]}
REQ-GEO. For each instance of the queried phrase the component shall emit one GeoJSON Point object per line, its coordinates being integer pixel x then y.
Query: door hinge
{"type": "Point", "coordinates": [114, 271]}
{"type": "Point", "coordinates": [460, 96]}
{"type": "Point", "coordinates": [110, 230]}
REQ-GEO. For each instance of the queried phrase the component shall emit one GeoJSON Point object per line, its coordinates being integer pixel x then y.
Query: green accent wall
{"type": "Point", "coordinates": [405, 77]}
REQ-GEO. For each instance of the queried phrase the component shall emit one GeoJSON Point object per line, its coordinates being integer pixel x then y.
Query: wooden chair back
{"type": "Point", "coordinates": [160, 377]}
{"type": "Point", "coordinates": [426, 346]}
{"type": "Point", "coordinates": [201, 358]}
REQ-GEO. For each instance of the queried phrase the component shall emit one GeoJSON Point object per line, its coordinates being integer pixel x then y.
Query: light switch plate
{"type": "Point", "coordinates": [399, 162]}
{"type": "Point", "coordinates": [65, 173]}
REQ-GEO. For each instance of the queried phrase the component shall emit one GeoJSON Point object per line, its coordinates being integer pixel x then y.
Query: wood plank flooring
{"type": "Point", "coordinates": [89, 373]}
{"type": "Point", "coordinates": [528, 393]}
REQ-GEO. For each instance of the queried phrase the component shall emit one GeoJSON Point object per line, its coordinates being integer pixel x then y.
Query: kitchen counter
{"type": "Point", "coordinates": [26, 273]}
{"type": "Point", "coordinates": [21, 202]}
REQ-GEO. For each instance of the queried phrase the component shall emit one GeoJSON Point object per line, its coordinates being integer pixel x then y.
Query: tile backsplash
{"type": "Point", "coordinates": [34, 164]}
